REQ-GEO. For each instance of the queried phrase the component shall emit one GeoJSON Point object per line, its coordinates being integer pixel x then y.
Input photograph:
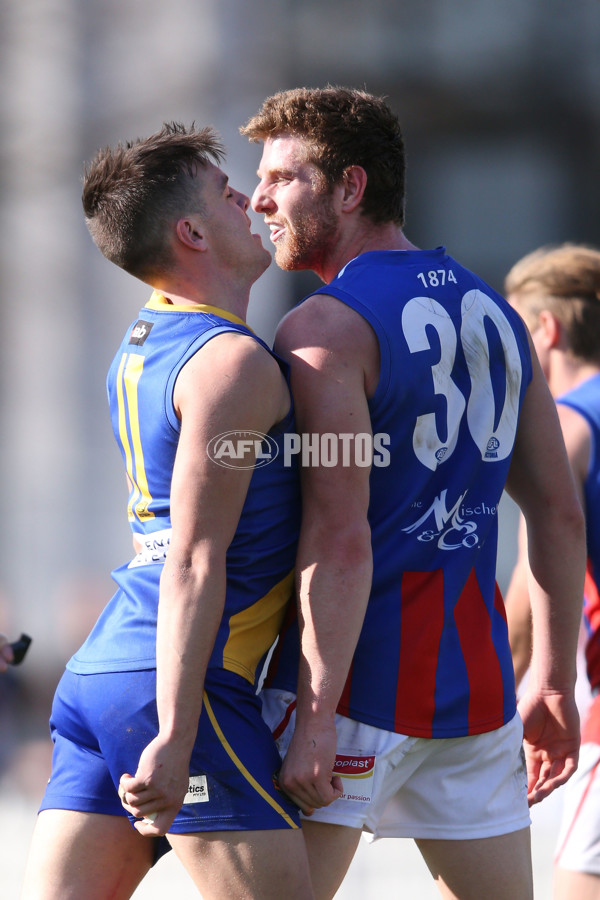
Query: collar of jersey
{"type": "Point", "coordinates": [160, 302]}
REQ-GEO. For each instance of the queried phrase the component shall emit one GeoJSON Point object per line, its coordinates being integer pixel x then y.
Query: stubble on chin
{"type": "Point", "coordinates": [314, 232]}
{"type": "Point", "coordinates": [284, 259]}
{"type": "Point", "coordinates": [303, 249]}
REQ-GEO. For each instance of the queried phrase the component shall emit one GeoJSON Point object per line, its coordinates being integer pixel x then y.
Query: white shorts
{"type": "Point", "coordinates": [399, 786]}
{"type": "Point", "coordinates": [578, 844]}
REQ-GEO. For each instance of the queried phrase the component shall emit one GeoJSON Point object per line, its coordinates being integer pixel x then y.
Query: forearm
{"type": "Point", "coordinates": [335, 580]}
{"type": "Point", "coordinates": [190, 609]}
{"type": "Point", "coordinates": [334, 589]}
{"type": "Point", "coordinates": [548, 708]}
{"type": "Point", "coordinates": [556, 594]}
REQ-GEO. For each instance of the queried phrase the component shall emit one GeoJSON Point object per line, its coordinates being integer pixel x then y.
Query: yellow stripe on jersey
{"type": "Point", "coordinates": [124, 437]}
{"type": "Point", "coordinates": [130, 370]}
{"type": "Point", "coordinates": [242, 768]}
{"type": "Point", "coordinates": [159, 301]}
{"type": "Point", "coordinates": [253, 630]}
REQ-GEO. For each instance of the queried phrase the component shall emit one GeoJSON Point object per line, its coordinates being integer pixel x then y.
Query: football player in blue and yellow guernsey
{"type": "Point", "coordinates": [156, 725]}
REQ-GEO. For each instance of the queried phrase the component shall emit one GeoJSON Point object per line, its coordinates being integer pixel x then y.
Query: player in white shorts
{"type": "Point", "coordinates": [400, 786]}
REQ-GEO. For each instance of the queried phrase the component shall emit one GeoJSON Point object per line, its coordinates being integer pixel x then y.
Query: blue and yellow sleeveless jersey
{"type": "Point", "coordinates": [433, 658]}
{"type": "Point", "coordinates": [585, 399]}
{"type": "Point", "coordinates": [260, 559]}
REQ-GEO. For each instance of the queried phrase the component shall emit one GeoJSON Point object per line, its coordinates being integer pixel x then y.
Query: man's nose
{"type": "Point", "coordinates": [242, 200]}
{"type": "Point", "coordinates": [260, 199]}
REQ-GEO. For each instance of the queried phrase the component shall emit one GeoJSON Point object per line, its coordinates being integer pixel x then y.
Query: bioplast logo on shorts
{"type": "Point", "coordinates": [253, 449]}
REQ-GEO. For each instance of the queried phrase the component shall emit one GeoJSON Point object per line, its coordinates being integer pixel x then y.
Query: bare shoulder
{"type": "Point", "coordinates": [540, 472]}
{"type": "Point", "coordinates": [326, 331]}
{"type": "Point", "coordinates": [572, 422]}
{"type": "Point", "coordinates": [324, 319]}
{"type": "Point", "coordinates": [578, 439]}
{"type": "Point", "coordinates": [235, 355]}
{"type": "Point", "coordinates": [233, 362]}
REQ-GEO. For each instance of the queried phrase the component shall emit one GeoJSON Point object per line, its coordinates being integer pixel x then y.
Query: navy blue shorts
{"type": "Point", "coordinates": [101, 723]}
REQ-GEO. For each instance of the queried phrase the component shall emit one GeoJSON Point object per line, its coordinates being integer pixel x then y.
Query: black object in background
{"type": "Point", "coordinates": [20, 648]}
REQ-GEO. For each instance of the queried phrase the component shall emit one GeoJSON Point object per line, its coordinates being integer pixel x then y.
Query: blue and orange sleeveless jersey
{"type": "Point", "coordinates": [585, 399]}
{"type": "Point", "coordinates": [260, 559]}
{"type": "Point", "coordinates": [433, 658]}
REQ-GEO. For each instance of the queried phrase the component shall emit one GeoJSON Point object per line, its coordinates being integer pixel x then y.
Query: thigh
{"type": "Point", "coordinates": [81, 854]}
{"type": "Point", "coordinates": [250, 865]}
{"type": "Point", "coordinates": [330, 850]}
{"type": "Point", "coordinates": [569, 885]}
{"type": "Point", "coordinates": [497, 868]}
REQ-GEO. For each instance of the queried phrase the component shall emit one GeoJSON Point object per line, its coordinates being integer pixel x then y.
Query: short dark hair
{"type": "Point", "coordinates": [342, 127]}
{"type": "Point", "coordinates": [132, 193]}
{"type": "Point", "coordinates": [565, 280]}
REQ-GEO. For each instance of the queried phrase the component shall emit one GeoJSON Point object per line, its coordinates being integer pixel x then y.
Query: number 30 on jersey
{"type": "Point", "coordinates": [495, 442]}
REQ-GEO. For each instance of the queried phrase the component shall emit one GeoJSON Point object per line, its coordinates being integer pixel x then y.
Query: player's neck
{"type": "Point", "coordinates": [567, 372]}
{"type": "Point", "coordinates": [215, 292]}
{"type": "Point", "coordinates": [365, 239]}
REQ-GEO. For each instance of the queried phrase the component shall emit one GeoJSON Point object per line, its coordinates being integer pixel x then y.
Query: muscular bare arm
{"type": "Point", "coordinates": [542, 484]}
{"type": "Point", "coordinates": [335, 360]}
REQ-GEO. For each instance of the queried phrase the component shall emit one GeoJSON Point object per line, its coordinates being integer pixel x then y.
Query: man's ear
{"type": "Point", "coordinates": [191, 234]}
{"type": "Point", "coordinates": [354, 182]}
{"type": "Point", "coordinates": [551, 328]}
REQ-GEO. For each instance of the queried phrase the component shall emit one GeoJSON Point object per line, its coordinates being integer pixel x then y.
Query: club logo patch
{"type": "Point", "coordinates": [356, 771]}
{"type": "Point", "coordinates": [197, 790]}
{"type": "Point", "coordinates": [140, 332]}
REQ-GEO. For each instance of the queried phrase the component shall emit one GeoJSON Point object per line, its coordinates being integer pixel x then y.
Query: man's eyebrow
{"type": "Point", "coordinates": [276, 170]}
{"type": "Point", "coordinates": [223, 181]}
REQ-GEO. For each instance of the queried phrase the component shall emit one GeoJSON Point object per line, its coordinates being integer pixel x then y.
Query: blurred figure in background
{"type": "Point", "coordinates": [6, 654]}
{"type": "Point", "coordinates": [557, 292]}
